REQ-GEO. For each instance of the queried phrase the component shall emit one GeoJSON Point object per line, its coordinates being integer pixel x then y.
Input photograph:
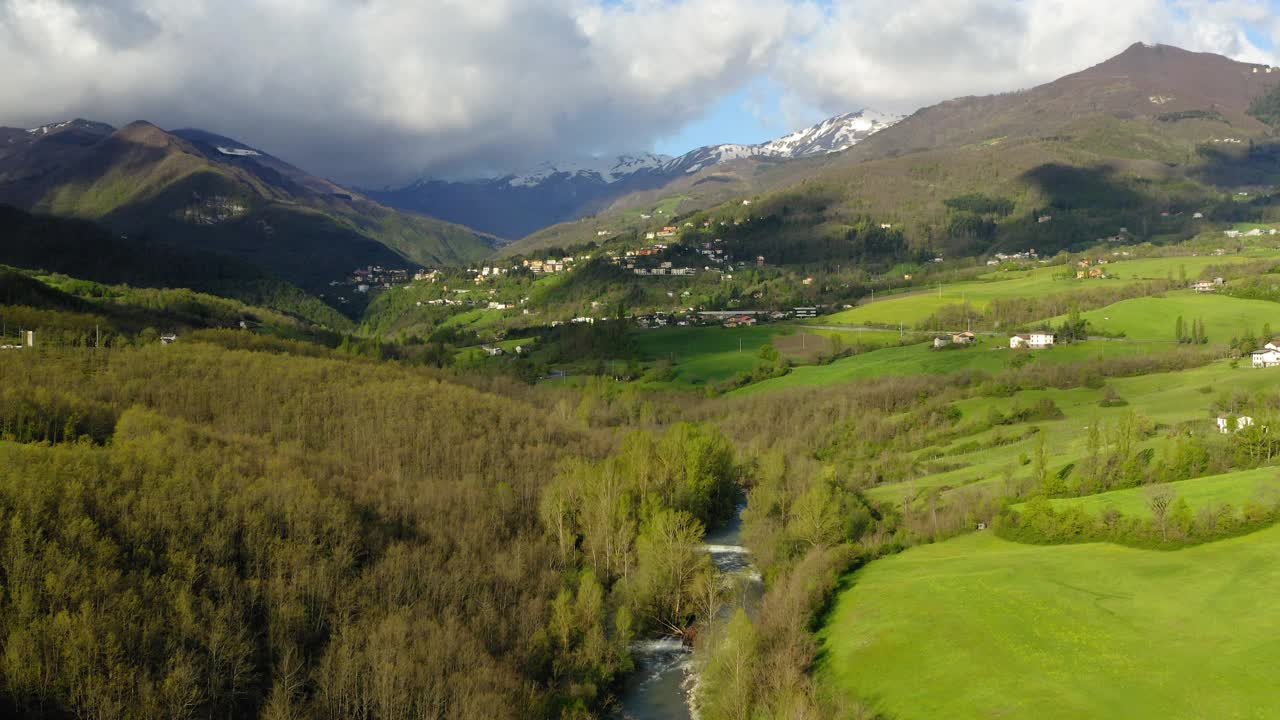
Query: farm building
{"type": "Point", "coordinates": [1228, 424]}
{"type": "Point", "coordinates": [964, 338]}
{"type": "Point", "coordinates": [1034, 341]}
{"type": "Point", "coordinates": [1266, 357]}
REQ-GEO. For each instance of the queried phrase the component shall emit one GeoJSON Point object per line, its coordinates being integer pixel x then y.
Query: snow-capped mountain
{"type": "Point", "coordinates": [829, 136]}
{"type": "Point", "coordinates": [520, 203]}
{"type": "Point", "coordinates": [606, 170]}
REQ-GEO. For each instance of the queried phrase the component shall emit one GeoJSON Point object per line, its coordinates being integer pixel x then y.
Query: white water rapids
{"type": "Point", "coordinates": [664, 681]}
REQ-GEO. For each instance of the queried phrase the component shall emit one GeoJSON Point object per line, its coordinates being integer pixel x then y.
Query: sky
{"type": "Point", "coordinates": [375, 92]}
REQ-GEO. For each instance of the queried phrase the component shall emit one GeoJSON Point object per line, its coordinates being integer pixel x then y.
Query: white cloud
{"type": "Point", "coordinates": [900, 56]}
{"type": "Point", "coordinates": [374, 91]}
{"type": "Point", "coordinates": [380, 90]}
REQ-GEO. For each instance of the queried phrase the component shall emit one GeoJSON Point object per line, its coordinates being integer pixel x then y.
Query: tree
{"type": "Point", "coordinates": [1179, 333]}
{"type": "Point", "coordinates": [1159, 501]}
{"type": "Point", "coordinates": [670, 564]}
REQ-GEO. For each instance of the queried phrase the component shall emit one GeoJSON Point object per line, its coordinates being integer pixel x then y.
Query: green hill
{"type": "Point", "coordinates": [81, 249]}
{"type": "Point", "coordinates": [157, 185]}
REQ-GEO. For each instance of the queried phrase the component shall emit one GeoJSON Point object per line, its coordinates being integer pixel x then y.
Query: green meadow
{"type": "Point", "coordinates": [1155, 318]}
{"type": "Point", "coordinates": [991, 354]}
{"type": "Point", "coordinates": [712, 353]}
{"type": "Point", "coordinates": [978, 627]}
{"type": "Point", "coordinates": [1165, 399]}
{"type": "Point", "coordinates": [1234, 489]}
{"type": "Point", "coordinates": [707, 354]}
{"type": "Point", "coordinates": [912, 309]}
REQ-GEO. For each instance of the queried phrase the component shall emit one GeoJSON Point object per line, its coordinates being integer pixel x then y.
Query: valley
{"type": "Point", "coordinates": [963, 414]}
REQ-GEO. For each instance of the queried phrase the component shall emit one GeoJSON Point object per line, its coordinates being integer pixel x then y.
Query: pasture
{"type": "Point", "coordinates": [1155, 318]}
{"type": "Point", "coordinates": [1234, 489]}
{"type": "Point", "coordinates": [916, 307]}
{"type": "Point", "coordinates": [979, 627]}
{"type": "Point", "coordinates": [712, 353]}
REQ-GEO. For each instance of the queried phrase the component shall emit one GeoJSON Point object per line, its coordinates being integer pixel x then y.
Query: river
{"type": "Point", "coordinates": [664, 677]}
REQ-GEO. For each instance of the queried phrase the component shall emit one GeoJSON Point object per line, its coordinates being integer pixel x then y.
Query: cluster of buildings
{"type": "Point", "coordinates": [665, 268]}
{"type": "Point", "coordinates": [1208, 286]}
{"type": "Point", "coordinates": [1032, 341]}
{"type": "Point", "coordinates": [374, 276]}
{"type": "Point", "coordinates": [964, 338]}
{"type": "Point", "coordinates": [1015, 257]}
{"type": "Point", "coordinates": [1256, 232]}
{"type": "Point", "coordinates": [1091, 269]}
{"type": "Point", "coordinates": [550, 265]}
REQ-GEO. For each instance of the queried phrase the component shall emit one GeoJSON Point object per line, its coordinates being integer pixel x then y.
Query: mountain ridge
{"type": "Point", "coordinates": [193, 187]}
{"type": "Point", "coordinates": [517, 204]}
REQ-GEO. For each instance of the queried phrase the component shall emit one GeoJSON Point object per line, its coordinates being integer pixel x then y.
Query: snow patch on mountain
{"type": "Point", "coordinates": [238, 151]}
{"type": "Point", "coordinates": [606, 170]}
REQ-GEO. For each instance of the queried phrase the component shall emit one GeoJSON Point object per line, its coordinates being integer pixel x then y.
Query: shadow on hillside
{"type": "Point", "coordinates": [1075, 188]}
{"type": "Point", "coordinates": [1233, 166]}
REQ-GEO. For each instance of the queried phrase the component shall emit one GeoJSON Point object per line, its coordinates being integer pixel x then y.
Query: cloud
{"type": "Point", "coordinates": [900, 56]}
{"type": "Point", "coordinates": [376, 91]}
{"type": "Point", "coordinates": [381, 91]}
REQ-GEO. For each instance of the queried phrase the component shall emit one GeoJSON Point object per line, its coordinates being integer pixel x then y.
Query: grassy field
{"type": "Point", "coordinates": [977, 627]}
{"type": "Point", "coordinates": [990, 355]}
{"type": "Point", "coordinates": [708, 354]}
{"type": "Point", "coordinates": [1235, 489]}
{"type": "Point", "coordinates": [917, 307]}
{"type": "Point", "coordinates": [712, 353]}
{"type": "Point", "coordinates": [1155, 318]}
{"type": "Point", "coordinates": [1167, 398]}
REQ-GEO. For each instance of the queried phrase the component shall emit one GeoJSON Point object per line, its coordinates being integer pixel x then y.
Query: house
{"type": "Point", "coordinates": [806, 312]}
{"type": "Point", "coordinates": [1266, 358]}
{"type": "Point", "coordinates": [1097, 273]}
{"type": "Point", "coordinates": [1208, 286]}
{"type": "Point", "coordinates": [169, 339]}
{"type": "Point", "coordinates": [941, 342]}
{"type": "Point", "coordinates": [1227, 424]}
{"type": "Point", "coordinates": [1035, 341]}
{"type": "Point", "coordinates": [740, 321]}
{"type": "Point", "coordinates": [1044, 219]}
{"type": "Point", "coordinates": [492, 350]}
{"type": "Point", "coordinates": [964, 338]}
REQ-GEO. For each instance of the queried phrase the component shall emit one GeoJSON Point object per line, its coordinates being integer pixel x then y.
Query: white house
{"type": "Point", "coordinates": [1226, 425]}
{"type": "Point", "coordinates": [1266, 358]}
{"type": "Point", "coordinates": [1034, 341]}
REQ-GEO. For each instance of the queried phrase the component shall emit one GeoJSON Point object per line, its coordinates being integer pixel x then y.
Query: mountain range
{"type": "Point", "coordinates": [1140, 141]}
{"type": "Point", "coordinates": [192, 188]}
{"type": "Point", "coordinates": [518, 204]}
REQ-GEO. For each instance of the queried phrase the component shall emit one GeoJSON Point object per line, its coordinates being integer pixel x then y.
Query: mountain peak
{"type": "Point", "coordinates": [142, 132]}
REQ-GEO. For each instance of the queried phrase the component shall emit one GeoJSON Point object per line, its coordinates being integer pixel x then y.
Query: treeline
{"type": "Point", "coordinates": [1172, 523]}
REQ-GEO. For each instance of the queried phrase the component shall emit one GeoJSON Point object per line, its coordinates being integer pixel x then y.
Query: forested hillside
{"type": "Point", "coordinates": [270, 535]}
{"type": "Point", "coordinates": [164, 187]}
{"type": "Point", "coordinates": [87, 251]}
